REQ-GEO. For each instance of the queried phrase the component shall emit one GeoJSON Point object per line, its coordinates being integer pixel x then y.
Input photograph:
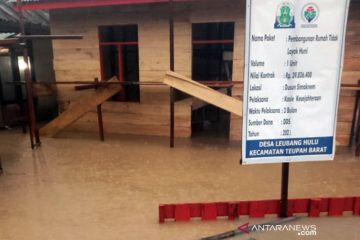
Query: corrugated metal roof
{"type": "Point", "coordinates": [24, 1]}
{"type": "Point", "coordinates": [6, 35]}
{"type": "Point", "coordinates": [64, 4]}
{"type": "Point", "coordinates": [8, 14]}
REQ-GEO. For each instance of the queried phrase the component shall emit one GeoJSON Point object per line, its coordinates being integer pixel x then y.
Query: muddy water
{"type": "Point", "coordinates": [75, 187]}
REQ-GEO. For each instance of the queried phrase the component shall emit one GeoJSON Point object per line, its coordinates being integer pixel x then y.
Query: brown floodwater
{"type": "Point", "coordinates": [76, 187]}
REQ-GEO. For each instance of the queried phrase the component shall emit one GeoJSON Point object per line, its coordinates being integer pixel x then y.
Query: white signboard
{"type": "Point", "coordinates": [293, 65]}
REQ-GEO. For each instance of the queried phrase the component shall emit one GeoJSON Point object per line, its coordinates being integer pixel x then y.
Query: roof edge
{"type": "Point", "coordinates": [86, 3]}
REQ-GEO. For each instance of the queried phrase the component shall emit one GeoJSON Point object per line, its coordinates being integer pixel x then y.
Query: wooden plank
{"type": "Point", "coordinates": [87, 103]}
{"type": "Point", "coordinates": [159, 109]}
{"type": "Point", "coordinates": [351, 77]}
{"type": "Point", "coordinates": [350, 88]}
{"type": "Point", "coordinates": [203, 92]}
{"type": "Point", "coordinates": [345, 115]}
{"type": "Point", "coordinates": [343, 128]}
{"type": "Point", "coordinates": [342, 139]}
{"type": "Point", "coordinates": [352, 64]}
{"type": "Point", "coordinates": [131, 129]}
{"type": "Point", "coordinates": [346, 93]}
{"type": "Point", "coordinates": [136, 119]}
{"type": "Point", "coordinates": [347, 103]}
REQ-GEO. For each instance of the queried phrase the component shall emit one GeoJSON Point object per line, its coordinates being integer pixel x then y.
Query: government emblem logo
{"type": "Point", "coordinates": [285, 16]}
{"type": "Point", "coordinates": [310, 13]}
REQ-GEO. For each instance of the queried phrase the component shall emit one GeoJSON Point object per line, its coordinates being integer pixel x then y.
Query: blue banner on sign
{"type": "Point", "coordinates": [289, 147]}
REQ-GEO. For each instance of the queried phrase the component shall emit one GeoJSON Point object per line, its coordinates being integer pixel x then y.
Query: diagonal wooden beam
{"type": "Point", "coordinates": [76, 110]}
{"type": "Point", "coordinates": [203, 92]}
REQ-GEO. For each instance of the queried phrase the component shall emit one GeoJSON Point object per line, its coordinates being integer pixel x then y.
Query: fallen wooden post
{"type": "Point", "coordinates": [87, 103]}
{"type": "Point", "coordinates": [204, 93]}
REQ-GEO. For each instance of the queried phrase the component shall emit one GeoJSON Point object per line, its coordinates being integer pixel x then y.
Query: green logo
{"type": "Point", "coordinates": [285, 16]}
{"type": "Point", "coordinates": [310, 12]}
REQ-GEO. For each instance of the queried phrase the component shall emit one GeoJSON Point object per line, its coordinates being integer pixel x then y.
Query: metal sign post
{"type": "Point", "coordinates": [172, 68]}
{"type": "Point", "coordinates": [284, 190]}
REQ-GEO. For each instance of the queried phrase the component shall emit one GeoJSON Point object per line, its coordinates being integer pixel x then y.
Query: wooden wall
{"type": "Point", "coordinates": [351, 73]}
{"type": "Point", "coordinates": [79, 59]}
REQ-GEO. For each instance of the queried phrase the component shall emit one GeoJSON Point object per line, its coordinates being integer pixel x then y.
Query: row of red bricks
{"type": "Point", "coordinates": [257, 209]}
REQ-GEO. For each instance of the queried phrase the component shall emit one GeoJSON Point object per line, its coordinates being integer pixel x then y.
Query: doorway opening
{"type": "Point", "coordinates": [212, 60]}
{"type": "Point", "coordinates": [119, 56]}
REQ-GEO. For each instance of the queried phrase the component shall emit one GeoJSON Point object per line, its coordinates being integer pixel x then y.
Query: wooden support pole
{"type": "Point", "coordinates": [101, 124]}
{"type": "Point", "coordinates": [172, 68]}
{"type": "Point", "coordinates": [99, 114]}
{"type": "Point", "coordinates": [30, 103]}
{"type": "Point", "coordinates": [34, 133]}
{"type": "Point", "coordinates": [355, 119]}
